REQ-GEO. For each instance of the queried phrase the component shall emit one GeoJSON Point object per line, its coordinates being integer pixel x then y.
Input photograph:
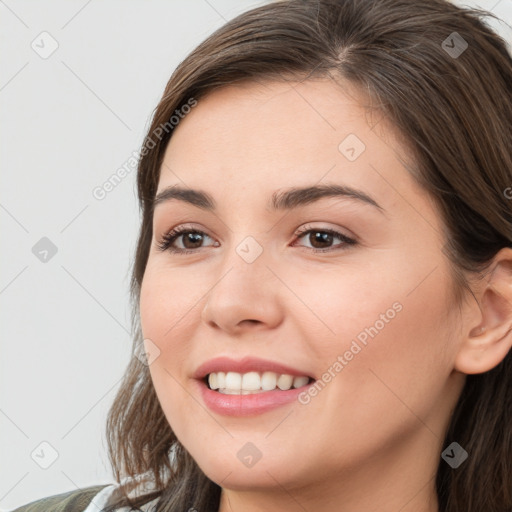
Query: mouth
{"type": "Point", "coordinates": [250, 386]}
{"type": "Point", "coordinates": [234, 383]}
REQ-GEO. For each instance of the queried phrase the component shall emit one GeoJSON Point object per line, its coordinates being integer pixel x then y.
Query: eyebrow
{"type": "Point", "coordinates": [281, 200]}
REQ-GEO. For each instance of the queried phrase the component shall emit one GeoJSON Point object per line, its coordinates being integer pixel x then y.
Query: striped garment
{"type": "Point", "coordinates": [88, 499]}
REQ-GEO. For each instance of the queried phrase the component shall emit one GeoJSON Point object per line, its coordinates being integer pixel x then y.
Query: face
{"type": "Point", "coordinates": [350, 290]}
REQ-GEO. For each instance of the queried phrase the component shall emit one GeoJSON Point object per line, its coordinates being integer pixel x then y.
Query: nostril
{"type": "Point", "coordinates": [252, 321]}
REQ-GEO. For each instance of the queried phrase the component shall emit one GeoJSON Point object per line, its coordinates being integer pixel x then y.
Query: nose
{"type": "Point", "coordinates": [245, 296]}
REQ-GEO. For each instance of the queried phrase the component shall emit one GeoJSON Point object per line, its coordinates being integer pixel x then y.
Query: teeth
{"type": "Point", "coordinates": [300, 381]}
{"type": "Point", "coordinates": [285, 381]}
{"type": "Point", "coordinates": [268, 381]}
{"type": "Point", "coordinates": [212, 380]}
{"type": "Point", "coordinates": [250, 381]}
{"type": "Point", "coordinates": [233, 383]}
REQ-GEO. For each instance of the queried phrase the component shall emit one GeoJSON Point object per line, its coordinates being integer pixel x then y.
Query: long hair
{"type": "Point", "coordinates": [443, 79]}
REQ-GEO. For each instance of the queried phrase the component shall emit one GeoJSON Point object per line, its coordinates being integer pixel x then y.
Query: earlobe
{"type": "Point", "coordinates": [480, 353]}
{"type": "Point", "coordinates": [489, 338]}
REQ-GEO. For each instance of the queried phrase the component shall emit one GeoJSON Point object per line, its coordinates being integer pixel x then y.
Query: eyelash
{"type": "Point", "coordinates": [165, 244]}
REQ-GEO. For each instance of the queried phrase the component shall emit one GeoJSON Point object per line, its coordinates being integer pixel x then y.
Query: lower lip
{"type": "Point", "coordinates": [247, 405]}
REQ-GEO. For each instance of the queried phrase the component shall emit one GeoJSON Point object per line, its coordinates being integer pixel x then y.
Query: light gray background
{"type": "Point", "coordinates": [69, 122]}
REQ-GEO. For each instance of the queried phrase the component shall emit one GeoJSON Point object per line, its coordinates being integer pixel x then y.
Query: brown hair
{"type": "Point", "coordinates": [454, 112]}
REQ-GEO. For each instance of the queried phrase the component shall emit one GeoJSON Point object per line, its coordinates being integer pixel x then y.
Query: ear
{"type": "Point", "coordinates": [488, 335]}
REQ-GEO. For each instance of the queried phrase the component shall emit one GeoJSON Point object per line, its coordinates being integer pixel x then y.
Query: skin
{"type": "Point", "coordinates": [372, 437]}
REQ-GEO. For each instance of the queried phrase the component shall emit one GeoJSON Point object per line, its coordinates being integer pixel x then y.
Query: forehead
{"type": "Point", "coordinates": [271, 119]}
{"type": "Point", "coordinates": [264, 136]}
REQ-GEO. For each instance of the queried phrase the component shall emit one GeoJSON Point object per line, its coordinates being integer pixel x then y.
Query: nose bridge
{"type": "Point", "coordinates": [243, 271]}
{"type": "Point", "coordinates": [247, 251]}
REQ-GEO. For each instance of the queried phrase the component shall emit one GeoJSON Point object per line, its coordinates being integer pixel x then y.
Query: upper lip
{"type": "Point", "coordinates": [245, 365]}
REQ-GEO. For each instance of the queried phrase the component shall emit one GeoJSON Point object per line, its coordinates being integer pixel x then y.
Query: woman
{"type": "Point", "coordinates": [323, 279]}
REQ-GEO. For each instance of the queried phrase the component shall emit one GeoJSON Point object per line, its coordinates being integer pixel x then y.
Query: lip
{"type": "Point", "coordinates": [245, 365]}
{"type": "Point", "coordinates": [252, 404]}
{"type": "Point", "coordinates": [246, 405]}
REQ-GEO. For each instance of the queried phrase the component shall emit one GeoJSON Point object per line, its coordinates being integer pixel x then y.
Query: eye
{"type": "Point", "coordinates": [321, 239]}
{"type": "Point", "coordinates": [191, 240]}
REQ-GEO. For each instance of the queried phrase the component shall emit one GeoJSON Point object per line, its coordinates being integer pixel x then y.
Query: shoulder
{"type": "Point", "coordinates": [73, 501]}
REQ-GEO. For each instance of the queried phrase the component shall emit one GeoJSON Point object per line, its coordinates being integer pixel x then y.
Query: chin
{"type": "Point", "coordinates": [244, 479]}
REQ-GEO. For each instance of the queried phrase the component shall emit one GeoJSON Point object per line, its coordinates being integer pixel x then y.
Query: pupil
{"type": "Point", "coordinates": [321, 237]}
{"type": "Point", "coordinates": [191, 237]}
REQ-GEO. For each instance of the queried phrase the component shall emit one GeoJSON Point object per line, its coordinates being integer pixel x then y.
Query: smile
{"type": "Point", "coordinates": [233, 383]}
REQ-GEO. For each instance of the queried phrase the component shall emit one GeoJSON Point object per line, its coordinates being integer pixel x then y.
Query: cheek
{"type": "Point", "coordinates": [384, 345]}
{"type": "Point", "coordinates": [163, 317]}
{"type": "Point", "coordinates": [169, 315]}
{"type": "Point", "coordinates": [167, 300]}
{"type": "Point", "coordinates": [166, 317]}
{"type": "Point", "coordinates": [401, 372]}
